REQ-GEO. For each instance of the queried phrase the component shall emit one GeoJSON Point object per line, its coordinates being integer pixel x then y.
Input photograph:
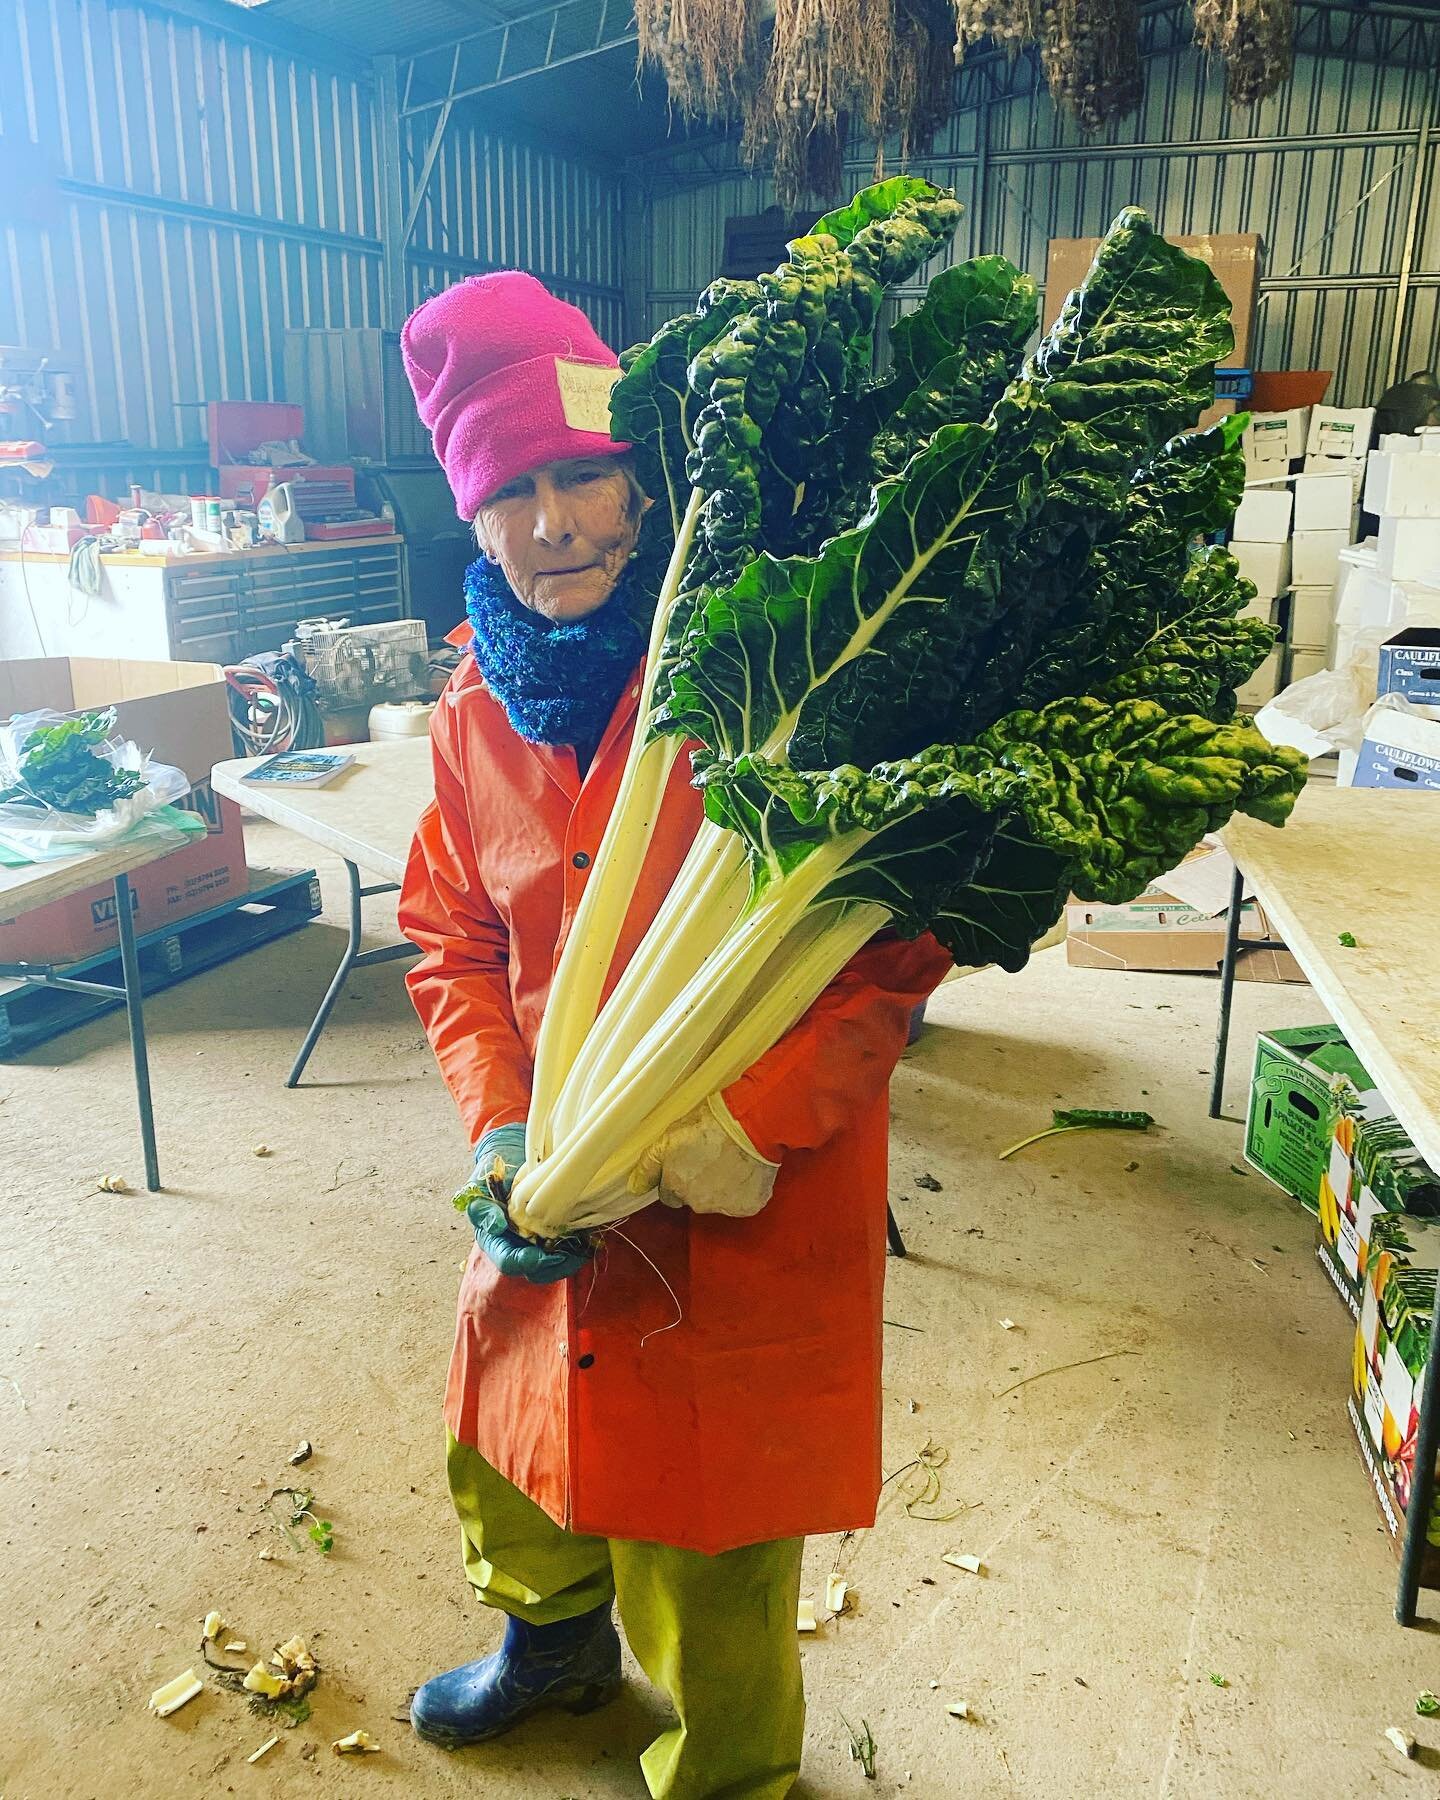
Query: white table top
{"type": "Point", "coordinates": [367, 814]}
{"type": "Point", "coordinates": [1364, 861]}
{"type": "Point", "coordinates": [37, 884]}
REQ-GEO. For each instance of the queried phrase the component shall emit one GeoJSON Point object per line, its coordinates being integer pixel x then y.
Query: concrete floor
{"type": "Point", "coordinates": [1190, 1507]}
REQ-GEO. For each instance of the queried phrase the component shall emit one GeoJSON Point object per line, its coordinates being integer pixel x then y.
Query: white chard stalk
{"type": "Point", "coordinates": [600, 917]}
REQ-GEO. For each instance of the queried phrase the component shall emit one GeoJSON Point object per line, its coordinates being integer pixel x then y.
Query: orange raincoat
{"type": "Point", "coordinates": [736, 1400]}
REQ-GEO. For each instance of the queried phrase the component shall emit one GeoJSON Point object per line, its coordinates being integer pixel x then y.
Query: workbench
{"type": "Point", "coordinates": [216, 607]}
{"type": "Point", "coordinates": [366, 816]}
{"type": "Point", "coordinates": [32, 885]}
{"type": "Point", "coordinates": [1362, 862]}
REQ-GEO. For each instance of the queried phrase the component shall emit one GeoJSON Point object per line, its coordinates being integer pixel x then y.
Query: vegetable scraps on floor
{"type": "Point", "coordinates": [949, 641]}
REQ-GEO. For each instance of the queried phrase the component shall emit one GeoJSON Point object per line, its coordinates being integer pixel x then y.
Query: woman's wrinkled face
{"type": "Point", "coordinates": [562, 534]}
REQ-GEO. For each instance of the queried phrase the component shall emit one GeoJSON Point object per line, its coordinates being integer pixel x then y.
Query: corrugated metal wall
{"type": "Point", "coordinates": [493, 204]}
{"type": "Point", "coordinates": [1295, 170]}
{"type": "Point", "coordinates": [173, 198]}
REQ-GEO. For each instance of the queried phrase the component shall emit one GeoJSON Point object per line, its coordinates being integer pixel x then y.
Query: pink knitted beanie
{"type": "Point", "coordinates": [507, 377]}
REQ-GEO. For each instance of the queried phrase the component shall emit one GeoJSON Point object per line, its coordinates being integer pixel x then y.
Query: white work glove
{"type": "Point", "coordinates": [706, 1162]}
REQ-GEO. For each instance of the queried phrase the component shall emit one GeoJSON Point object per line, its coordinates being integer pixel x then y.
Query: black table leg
{"type": "Point", "coordinates": [337, 980]}
{"type": "Point", "coordinates": [135, 1012]}
{"type": "Point", "coordinates": [353, 958]}
{"type": "Point", "coordinates": [1422, 1486]}
{"type": "Point", "coordinates": [1227, 990]}
{"type": "Point", "coordinates": [892, 1233]}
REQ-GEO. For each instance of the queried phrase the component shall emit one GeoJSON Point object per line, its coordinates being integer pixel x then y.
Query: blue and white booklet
{"type": "Point", "coordinates": [300, 768]}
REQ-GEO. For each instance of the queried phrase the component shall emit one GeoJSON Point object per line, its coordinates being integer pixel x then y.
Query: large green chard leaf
{"type": "Point", "coordinates": [1130, 587]}
{"type": "Point", "coordinates": [758, 650]}
{"type": "Point", "coordinates": [1196, 661]}
{"type": "Point", "coordinates": [1117, 792]}
{"type": "Point", "coordinates": [657, 405]}
{"type": "Point", "coordinates": [903, 629]}
{"type": "Point", "coordinates": [770, 383]}
{"type": "Point", "coordinates": [952, 358]}
{"type": "Point", "coordinates": [653, 407]}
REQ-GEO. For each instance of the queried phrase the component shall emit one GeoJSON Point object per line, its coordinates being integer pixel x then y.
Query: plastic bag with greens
{"type": "Point", "coordinates": [69, 782]}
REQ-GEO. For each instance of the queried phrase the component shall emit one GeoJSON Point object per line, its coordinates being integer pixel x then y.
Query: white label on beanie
{"type": "Point", "coordinates": [585, 394]}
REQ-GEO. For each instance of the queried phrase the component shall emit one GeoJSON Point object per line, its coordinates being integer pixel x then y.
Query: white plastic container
{"type": "Point", "coordinates": [392, 720]}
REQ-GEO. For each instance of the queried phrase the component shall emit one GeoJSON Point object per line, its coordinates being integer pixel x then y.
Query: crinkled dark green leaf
{"type": "Point", "coordinates": [1130, 587]}
{"type": "Point", "coordinates": [918, 623]}
{"type": "Point", "coordinates": [952, 359]}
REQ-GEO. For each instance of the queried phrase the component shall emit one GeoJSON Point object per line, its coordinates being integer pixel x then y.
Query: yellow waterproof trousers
{"type": "Point", "coordinates": [714, 1633]}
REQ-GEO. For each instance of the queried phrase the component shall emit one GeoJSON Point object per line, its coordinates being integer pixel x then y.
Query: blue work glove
{"type": "Point", "coordinates": [484, 1201]}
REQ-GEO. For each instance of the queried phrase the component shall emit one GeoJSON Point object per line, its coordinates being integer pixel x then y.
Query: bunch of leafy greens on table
{"type": "Point", "coordinates": [61, 767]}
{"type": "Point", "coordinates": [943, 645]}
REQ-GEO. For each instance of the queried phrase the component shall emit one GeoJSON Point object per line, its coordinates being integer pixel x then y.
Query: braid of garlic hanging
{"type": "Point", "coordinates": [1254, 38]}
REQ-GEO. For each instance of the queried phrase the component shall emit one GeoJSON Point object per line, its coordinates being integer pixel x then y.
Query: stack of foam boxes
{"type": "Point", "coordinates": [1392, 581]}
{"type": "Point", "coordinates": [1303, 474]}
{"type": "Point", "coordinates": [1274, 444]}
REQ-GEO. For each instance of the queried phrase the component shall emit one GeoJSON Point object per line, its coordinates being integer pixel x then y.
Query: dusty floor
{"type": "Point", "coordinates": [1190, 1507]}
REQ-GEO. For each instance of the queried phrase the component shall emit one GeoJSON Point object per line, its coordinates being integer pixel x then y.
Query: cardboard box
{"type": "Point", "coordinates": [1315, 557]}
{"type": "Point", "coordinates": [1392, 1344]}
{"type": "Point", "coordinates": [1312, 617]}
{"type": "Point", "coordinates": [179, 712]}
{"type": "Point", "coordinates": [1177, 925]}
{"type": "Point", "coordinates": [1339, 468]}
{"type": "Point", "coordinates": [1234, 256]}
{"type": "Point", "coordinates": [1267, 565]}
{"type": "Point", "coordinates": [1399, 750]}
{"type": "Point", "coordinates": [1410, 665]}
{"type": "Point", "coordinates": [1402, 486]}
{"type": "Point", "coordinates": [1300, 1077]}
{"type": "Point", "coordinates": [1263, 516]}
{"type": "Point", "coordinates": [1409, 549]}
{"type": "Point", "coordinates": [1343, 431]}
{"type": "Point", "coordinates": [1277, 436]}
{"type": "Point", "coordinates": [1373, 1173]}
{"type": "Point", "coordinates": [1324, 502]}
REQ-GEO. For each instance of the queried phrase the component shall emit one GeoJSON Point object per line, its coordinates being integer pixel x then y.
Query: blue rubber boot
{"type": "Point", "coordinates": [574, 1664]}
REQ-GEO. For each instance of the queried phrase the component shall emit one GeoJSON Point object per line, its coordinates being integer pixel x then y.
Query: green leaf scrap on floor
{"type": "Point", "coordinates": [1347, 938]}
{"type": "Point", "coordinates": [301, 1501]}
{"type": "Point", "coordinates": [862, 1747]}
{"type": "Point", "coordinates": [1427, 1704]}
{"type": "Point", "coordinates": [1085, 1118]}
{"type": "Point", "coordinates": [1218, 1681]}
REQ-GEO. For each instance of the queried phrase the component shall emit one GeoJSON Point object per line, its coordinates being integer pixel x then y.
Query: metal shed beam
{"type": "Point", "coordinates": [551, 37]}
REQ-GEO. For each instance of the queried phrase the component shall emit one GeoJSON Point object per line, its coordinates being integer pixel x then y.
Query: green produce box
{"type": "Point", "coordinates": [1300, 1075]}
{"type": "Point", "coordinates": [1392, 1343]}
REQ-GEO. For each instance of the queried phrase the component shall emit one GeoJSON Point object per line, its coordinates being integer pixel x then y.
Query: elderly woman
{"type": "Point", "coordinates": [656, 1428]}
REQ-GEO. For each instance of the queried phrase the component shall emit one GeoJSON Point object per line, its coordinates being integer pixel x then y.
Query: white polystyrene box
{"type": "Point", "coordinates": [1315, 557]}
{"type": "Point", "coordinates": [1409, 548]}
{"type": "Point", "coordinates": [1312, 617]}
{"type": "Point", "coordinates": [1323, 502]}
{"type": "Point", "coordinates": [1402, 487]}
{"type": "Point", "coordinates": [1263, 516]}
{"type": "Point", "coordinates": [1267, 565]}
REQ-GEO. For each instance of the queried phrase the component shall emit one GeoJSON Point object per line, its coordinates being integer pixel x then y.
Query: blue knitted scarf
{"type": "Point", "coordinates": [558, 681]}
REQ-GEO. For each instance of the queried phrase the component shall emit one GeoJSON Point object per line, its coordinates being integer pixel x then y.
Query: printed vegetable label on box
{"type": "Point", "coordinates": [1298, 1076]}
